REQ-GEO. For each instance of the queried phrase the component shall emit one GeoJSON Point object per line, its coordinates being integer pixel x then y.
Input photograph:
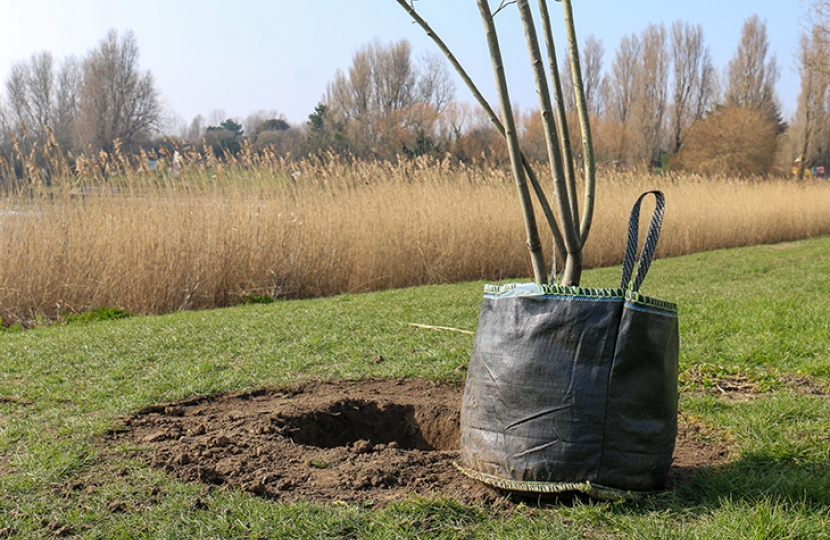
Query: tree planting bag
{"type": "Point", "coordinates": [574, 389]}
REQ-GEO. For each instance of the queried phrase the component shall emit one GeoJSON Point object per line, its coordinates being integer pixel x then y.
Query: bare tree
{"type": "Point", "coordinates": [813, 116]}
{"type": "Point", "coordinates": [571, 237]}
{"type": "Point", "coordinates": [43, 97]}
{"type": "Point", "coordinates": [620, 93]}
{"type": "Point", "coordinates": [16, 88]}
{"type": "Point", "coordinates": [117, 101]}
{"type": "Point", "coordinates": [357, 100]}
{"type": "Point", "coordinates": [818, 26]}
{"type": "Point", "coordinates": [620, 87]}
{"type": "Point", "coordinates": [652, 90]}
{"type": "Point", "coordinates": [30, 88]}
{"type": "Point", "coordinates": [694, 79]}
{"type": "Point", "coordinates": [385, 99]}
{"type": "Point", "coordinates": [38, 82]}
{"type": "Point", "coordinates": [591, 54]}
{"type": "Point", "coordinates": [394, 77]}
{"type": "Point", "coordinates": [636, 95]}
{"type": "Point", "coordinates": [435, 86]}
{"type": "Point", "coordinates": [66, 96]}
{"type": "Point", "coordinates": [351, 99]}
{"type": "Point", "coordinates": [752, 73]}
{"type": "Point", "coordinates": [812, 113]}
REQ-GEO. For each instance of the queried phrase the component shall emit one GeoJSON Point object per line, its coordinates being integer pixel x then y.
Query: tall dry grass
{"type": "Point", "coordinates": [146, 243]}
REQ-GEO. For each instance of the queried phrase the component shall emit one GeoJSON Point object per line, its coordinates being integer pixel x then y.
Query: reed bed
{"type": "Point", "coordinates": [223, 233]}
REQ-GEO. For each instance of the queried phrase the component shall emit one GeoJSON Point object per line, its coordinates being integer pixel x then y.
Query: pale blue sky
{"type": "Point", "coordinates": [247, 55]}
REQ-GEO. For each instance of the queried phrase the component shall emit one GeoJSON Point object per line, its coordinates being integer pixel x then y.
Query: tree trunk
{"type": "Point", "coordinates": [534, 245]}
{"type": "Point", "coordinates": [571, 238]}
{"type": "Point", "coordinates": [584, 124]}
{"type": "Point", "coordinates": [491, 114]}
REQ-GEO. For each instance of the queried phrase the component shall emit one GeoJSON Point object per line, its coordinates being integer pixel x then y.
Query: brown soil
{"type": "Point", "coordinates": [362, 441]}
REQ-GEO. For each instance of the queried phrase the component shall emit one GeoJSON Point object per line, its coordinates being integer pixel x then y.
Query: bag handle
{"type": "Point", "coordinates": [649, 246]}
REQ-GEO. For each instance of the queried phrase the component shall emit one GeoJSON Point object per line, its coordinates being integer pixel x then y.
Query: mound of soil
{"type": "Point", "coordinates": [350, 441]}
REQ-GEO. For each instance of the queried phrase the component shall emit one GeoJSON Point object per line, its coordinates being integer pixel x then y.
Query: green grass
{"type": "Point", "coordinates": [759, 315]}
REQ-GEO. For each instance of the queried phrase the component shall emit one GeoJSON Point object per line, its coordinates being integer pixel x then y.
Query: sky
{"type": "Point", "coordinates": [248, 55]}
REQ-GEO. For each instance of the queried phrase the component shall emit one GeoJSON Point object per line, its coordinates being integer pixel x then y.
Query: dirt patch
{"type": "Point", "coordinates": [744, 387]}
{"type": "Point", "coordinates": [698, 447]}
{"type": "Point", "coordinates": [807, 385]}
{"type": "Point", "coordinates": [356, 441]}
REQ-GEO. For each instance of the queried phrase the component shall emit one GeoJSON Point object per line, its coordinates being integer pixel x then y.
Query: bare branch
{"type": "Point", "coordinates": [533, 243]}
{"type": "Point", "coordinates": [574, 236]}
{"type": "Point", "coordinates": [563, 199]}
{"type": "Point", "coordinates": [561, 124]}
{"type": "Point", "coordinates": [502, 5]}
{"type": "Point", "coordinates": [585, 125]}
{"type": "Point", "coordinates": [491, 114]}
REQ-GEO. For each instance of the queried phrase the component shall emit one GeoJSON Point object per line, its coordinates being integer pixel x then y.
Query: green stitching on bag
{"type": "Point", "coordinates": [551, 488]}
{"type": "Point", "coordinates": [500, 289]}
{"type": "Point", "coordinates": [561, 290]}
{"type": "Point", "coordinates": [555, 290]}
{"type": "Point", "coordinates": [583, 292]}
{"type": "Point", "coordinates": [647, 301]}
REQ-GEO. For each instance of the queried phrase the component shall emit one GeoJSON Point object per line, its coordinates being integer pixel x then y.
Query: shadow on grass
{"type": "Point", "coordinates": [750, 479]}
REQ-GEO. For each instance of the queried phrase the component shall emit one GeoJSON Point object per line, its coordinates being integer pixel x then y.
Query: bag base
{"type": "Point", "coordinates": [595, 491]}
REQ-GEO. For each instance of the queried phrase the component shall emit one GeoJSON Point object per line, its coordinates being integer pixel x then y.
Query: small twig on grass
{"type": "Point", "coordinates": [450, 329]}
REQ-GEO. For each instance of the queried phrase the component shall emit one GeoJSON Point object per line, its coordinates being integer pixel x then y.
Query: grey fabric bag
{"type": "Point", "coordinates": [574, 389]}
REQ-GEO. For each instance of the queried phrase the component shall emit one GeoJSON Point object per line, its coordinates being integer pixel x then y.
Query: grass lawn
{"type": "Point", "coordinates": [757, 319]}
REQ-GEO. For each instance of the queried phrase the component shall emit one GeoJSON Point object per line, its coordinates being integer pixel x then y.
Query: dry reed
{"type": "Point", "coordinates": [147, 243]}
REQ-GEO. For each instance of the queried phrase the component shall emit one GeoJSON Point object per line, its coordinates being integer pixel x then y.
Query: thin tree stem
{"type": "Point", "coordinates": [584, 123]}
{"type": "Point", "coordinates": [491, 114]}
{"type": "Point", "coordinates": [533, 243]}
{"type": "Point", "coordinates": [554, 151]}
{"type": "Point", "coordinates": [561, 117]}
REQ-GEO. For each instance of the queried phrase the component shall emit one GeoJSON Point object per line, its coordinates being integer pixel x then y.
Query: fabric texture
{"type": "Point", "coordinates": [574, 389]}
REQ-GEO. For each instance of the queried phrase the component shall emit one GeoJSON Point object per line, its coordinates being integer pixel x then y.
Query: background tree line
{"type": "Point", "coordinates": [659, 103]}
{"type": "Point", "coordinates": [80, 105]}
{"type": "Point", "coordinates": [810, 137]}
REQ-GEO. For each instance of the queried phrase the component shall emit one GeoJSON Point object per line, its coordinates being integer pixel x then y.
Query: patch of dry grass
{"type": "Point", "coordinates": [705, 214]}
{"type": "Point", "coordinates": [148, 244]}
